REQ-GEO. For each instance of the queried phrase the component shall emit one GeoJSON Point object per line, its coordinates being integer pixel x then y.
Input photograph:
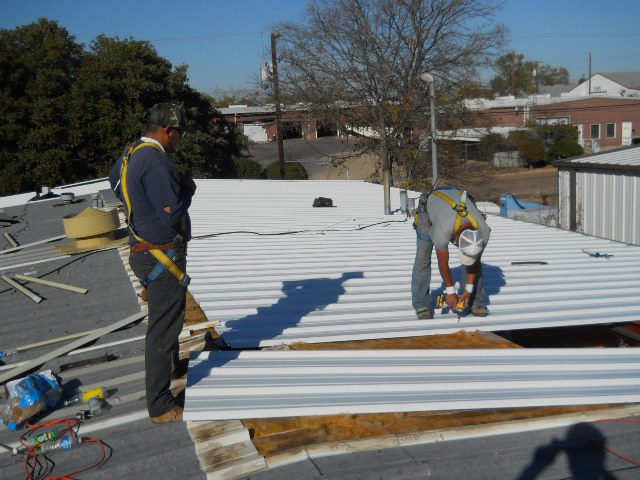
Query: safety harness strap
{"type": "Point", "coordinates": [162, 257]}
{"type": "Point", "coordinates": [460, 209]}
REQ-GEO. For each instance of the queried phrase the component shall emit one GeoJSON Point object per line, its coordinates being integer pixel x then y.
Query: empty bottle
{"type": "Point", "coordinates": [43, 437]}
{"type": "Point", "coordinates": [64, 443]}
{"type": "Point", "coordinates": [84, 397]}
{"type": "Point", "coordinates": [97, 406]}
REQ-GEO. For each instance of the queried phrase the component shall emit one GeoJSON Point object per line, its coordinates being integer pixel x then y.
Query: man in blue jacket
{"type": "Point", "coordinates": [156, 199]}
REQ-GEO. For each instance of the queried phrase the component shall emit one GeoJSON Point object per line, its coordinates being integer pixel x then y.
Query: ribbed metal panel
{"type": "Point", "coordinates": [339, 282]}
{"type": "Point", "coordinates": [609, 205]}
{"type": "Point", "coordinates": [628, 156]}
{"type": "Point", "coordinates": [262, 384]}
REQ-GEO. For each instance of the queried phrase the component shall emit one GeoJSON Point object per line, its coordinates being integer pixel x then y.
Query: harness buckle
{"type": "Point", "coordinates": [461, 210]}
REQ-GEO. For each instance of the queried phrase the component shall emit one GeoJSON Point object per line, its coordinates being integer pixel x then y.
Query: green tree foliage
{"type": "Point", "coordinates": [538, 146]}
{"type": "Point", "coordinates": [39, 63]}
{"type": "Point", "coordinates": [548, 75]}
{"type": "Point", "coordinates": [294, 171]}
{"type": "Point", "coordinates": [68, 113]}
{"type": "Point", "coordinates": [561, 141]}
{"type": "Point", "coordinates": [246, 168]}
{"type": "Point", "coordinates": [515, 75]}
{"type": "Point", "coordinates": [490, 144]}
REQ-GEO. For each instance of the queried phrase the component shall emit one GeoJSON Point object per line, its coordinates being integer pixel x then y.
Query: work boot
{"type": "Point", "coordinates": [479, 311]}
{"type": "Point", "coordinates": [173, 415]}
{"type": "Point", "coordinates": [424, 314]}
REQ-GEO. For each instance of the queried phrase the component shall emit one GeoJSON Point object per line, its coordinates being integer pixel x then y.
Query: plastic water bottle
{"type": "Point", "coordinates": [97, 406]}
{"type": "Point", "coordinates": [64, 443]}
{"type": "Point", "coordinates": [43, 437]}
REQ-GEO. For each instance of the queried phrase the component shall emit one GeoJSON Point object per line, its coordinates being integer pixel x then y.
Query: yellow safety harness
{"type": "Point", "coordinates": [460, 209]}
{"type": "Point", "coordinates": [162, 257]}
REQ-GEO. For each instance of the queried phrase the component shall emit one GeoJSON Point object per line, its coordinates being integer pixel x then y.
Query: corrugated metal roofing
{"type": "Point", "coordinates": [263, 384]}
{"type": "Point", "coordinates": [347, 276]}
{"type": "Point", "coordinates": [82, 188]}
{"type": "Point", "coordinates": [626, 157]}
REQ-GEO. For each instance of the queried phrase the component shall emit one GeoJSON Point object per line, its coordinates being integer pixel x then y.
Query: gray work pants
{"type": "Point", "coordinates": [166, 300]}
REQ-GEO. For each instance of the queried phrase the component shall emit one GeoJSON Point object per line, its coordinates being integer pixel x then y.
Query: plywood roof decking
{"type": "Point", "coordinates": [267, 384]}
{"type": "Point", "coordinates": [340, 282]}
{"type": "Point", "coordinates": [273, 436]}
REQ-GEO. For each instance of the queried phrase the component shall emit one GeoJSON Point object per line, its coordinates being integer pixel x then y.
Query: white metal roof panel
{"type": "Point", "coordinates": [348, 276]}
{"type": "Point", "coordinates": [81, 188]}
{"type": "Point", "coordinates": [263, 384]}
{"type": "Point", "coordinates": [626, 157]}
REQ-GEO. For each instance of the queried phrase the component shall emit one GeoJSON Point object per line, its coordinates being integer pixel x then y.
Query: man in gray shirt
{"type": "Point", "coordinates": [446, 215]}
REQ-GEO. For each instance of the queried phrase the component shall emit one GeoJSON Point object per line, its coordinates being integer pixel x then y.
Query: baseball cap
{"type": "Point", "coordinates": [168, 115]}
{"type": "Point", "coordinates": [470, 245]}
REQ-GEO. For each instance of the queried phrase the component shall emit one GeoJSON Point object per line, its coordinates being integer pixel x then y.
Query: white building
{"type": "Point", "coordinates": [621, 84]}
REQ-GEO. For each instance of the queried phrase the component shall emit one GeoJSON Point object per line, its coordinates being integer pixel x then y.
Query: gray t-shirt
{"type": "Point", "coordinates": [440, 219]}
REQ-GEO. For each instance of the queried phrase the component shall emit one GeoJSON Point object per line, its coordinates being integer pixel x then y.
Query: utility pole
{"type": "Point", "coordinates": [589, 73]}
{"type": "Point", "coordinates": [430, 79]}
{"type": "Point", "coordinates": [276, 94]}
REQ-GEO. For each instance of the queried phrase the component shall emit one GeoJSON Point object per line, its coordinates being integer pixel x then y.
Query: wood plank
{"type": "Point", "coordinates": [58, 352]}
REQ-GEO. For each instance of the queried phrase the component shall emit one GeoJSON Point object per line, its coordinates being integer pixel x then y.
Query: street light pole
{"type": "Point", "coordinates": [429, 78]}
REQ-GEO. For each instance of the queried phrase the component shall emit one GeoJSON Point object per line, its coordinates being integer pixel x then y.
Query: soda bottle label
{"type": "Point", "coordinates": [66, 443]}
{"type": "Point", "coordinates": [44, 437]}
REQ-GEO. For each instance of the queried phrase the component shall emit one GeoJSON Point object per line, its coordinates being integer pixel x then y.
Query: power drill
{"type": "Point", "coordinates": [442, 303]}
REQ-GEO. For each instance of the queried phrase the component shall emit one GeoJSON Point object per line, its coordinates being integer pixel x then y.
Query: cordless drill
{"type": "Point", "coordinates": [442, 303]}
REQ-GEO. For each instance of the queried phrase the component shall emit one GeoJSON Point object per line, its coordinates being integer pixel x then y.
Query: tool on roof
{"type": "Point", "coordinates": [530, 262]}
{"type": "Point", "coordinates": [441, 302]}
{"type": "Point", "coordinates": [593, 254]}
{"type": "Point", "coordinates": [107, 357]}
{"type": "Point", "coordinates": [84, 397]}
{"type": "Point", "coordinates": [165, 259]}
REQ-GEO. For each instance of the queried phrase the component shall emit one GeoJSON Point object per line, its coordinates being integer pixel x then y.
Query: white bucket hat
{"type": "Point", "coordinates": [470, 246]}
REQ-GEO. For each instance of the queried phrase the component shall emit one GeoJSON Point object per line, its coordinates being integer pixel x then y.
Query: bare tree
{"type": "Point", "coordinates": [357, 63]}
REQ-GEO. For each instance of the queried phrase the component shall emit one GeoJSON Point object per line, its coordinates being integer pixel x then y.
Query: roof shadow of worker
{"type": "Point", "coordinates": [492, 277]}
{"type": "Point", "coordinates": [584, 446]}
{"type": "Point", "coordinates": [301, 297]}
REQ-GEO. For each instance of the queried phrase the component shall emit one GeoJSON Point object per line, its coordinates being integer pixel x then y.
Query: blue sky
{"type": "Point", "coordinates": [224, 42]}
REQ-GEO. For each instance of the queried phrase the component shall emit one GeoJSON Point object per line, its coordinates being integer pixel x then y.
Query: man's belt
{"type": "Point", "coordinates": [144, 247]}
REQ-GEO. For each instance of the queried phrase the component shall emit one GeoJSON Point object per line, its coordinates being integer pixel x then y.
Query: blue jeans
{"type": "Point", "coordinates": [421, 278]}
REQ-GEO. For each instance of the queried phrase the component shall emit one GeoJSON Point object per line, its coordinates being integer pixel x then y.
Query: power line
{"type": "Point", "coordinates": [579, 35]}
{"type": "Point", "coordinates": [211, 36]}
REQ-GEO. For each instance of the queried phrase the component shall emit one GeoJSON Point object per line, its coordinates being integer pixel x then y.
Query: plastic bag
{"type": "Point", "coordinates": [31, 395]}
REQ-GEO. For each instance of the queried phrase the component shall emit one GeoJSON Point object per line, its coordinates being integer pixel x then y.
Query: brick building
{"type": "Point", "coordinates": [602, 121]}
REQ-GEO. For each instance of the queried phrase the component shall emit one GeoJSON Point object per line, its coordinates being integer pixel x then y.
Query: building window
{"type": "Point", "coordinates": [611, 130]}
{"type": "Point", "coordinates": [595, 131]}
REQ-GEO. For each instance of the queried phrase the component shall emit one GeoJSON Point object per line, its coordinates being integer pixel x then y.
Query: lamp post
{"type": "Point", "coordinates": [430, 79]}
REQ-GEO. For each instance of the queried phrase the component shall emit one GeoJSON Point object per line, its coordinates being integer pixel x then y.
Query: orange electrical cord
{"type": "Point", "coordinates": [32, 463]}
{"type": "Point", "coordinates": [610, 450]}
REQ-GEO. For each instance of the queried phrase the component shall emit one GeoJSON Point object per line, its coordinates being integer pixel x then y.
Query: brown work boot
{"type": "Point", "coordinates": [173, 415]}
{"type": "Point", "coordinates": [424, 314]}
{"type": "Point", "coordinates": [479, 311]}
